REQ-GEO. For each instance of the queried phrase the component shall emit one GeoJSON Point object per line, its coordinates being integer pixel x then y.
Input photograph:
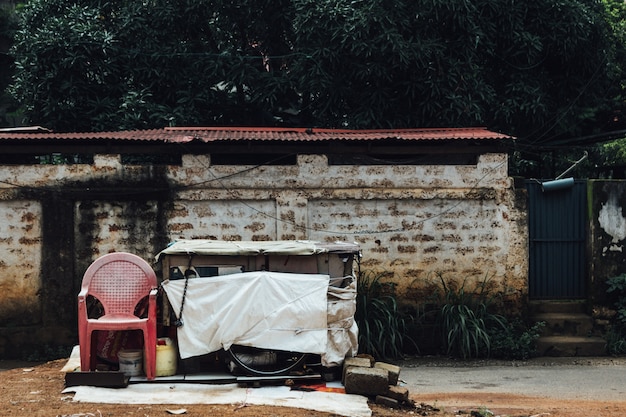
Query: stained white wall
{"type": "Point", "coordinates": [412, 222]}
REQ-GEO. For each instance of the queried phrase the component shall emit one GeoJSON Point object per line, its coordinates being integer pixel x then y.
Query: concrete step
{"type": "Point", "coordinates": [565, 324]}
{"type": "Point", "coordinates": [557, 306]}
{"type": "Point", "coordinates": [571, 346]}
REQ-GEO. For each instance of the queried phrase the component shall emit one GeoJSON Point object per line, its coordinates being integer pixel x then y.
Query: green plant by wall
{"type": "Point", "coordinates": [472, 318]}
{"type": "Point", "coordinates": [618, 285]}
{"type": "Point", "coordinates": [515, 341]}
{"type": "Point", "coordinates": [465, 317]}
{"type": "Point", "coordinates": [616, 335]}
{"type": "Point", "coordinates": [382, 327]}
{"type": "Point", "coordinates": [462, 310]}
{"type": "Point", "coordinates": [615, 340]}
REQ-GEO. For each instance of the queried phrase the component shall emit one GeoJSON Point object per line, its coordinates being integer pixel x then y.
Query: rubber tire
{"type": "Point", "coordinates": [287, 361]}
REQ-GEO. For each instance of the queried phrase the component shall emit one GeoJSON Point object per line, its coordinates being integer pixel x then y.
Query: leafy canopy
{"type": "Point", "coordinates": [8, 24]}
{"type": "Point", "coordinates": [543, 70]}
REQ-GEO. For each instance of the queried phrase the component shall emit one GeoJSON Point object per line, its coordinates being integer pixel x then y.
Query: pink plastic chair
{"type": "Point", "coordinates": [119, 281]}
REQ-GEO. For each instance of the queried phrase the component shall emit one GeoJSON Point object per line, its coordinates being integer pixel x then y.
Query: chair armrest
{"type": "Point", "coordinates": [83, 294]}
{"type": "Point", "coordinates": [152, 297]}
{"type": "Point", "coordinates": [82, 305]}
{"type": "Point", "coordinates": [152, 306]}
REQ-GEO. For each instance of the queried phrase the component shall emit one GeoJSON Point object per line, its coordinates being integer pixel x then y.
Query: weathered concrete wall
{"type": "Point", "coordinates": [20, 244]}
{"type": "Point", "coordinates": [412, 222]}
{"type": "Point", "coordinates": [607, 206]}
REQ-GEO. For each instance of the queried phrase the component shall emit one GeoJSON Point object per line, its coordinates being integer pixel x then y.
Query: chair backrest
{"type": "Point", "coordinates": [119, 281]}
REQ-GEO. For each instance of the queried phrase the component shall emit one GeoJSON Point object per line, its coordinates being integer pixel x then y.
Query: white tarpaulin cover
{"type": "Point", "coordinates": [250, 248]}
{"type": "Point", "coordinates": [333, 403]}
{"type": "Point", "coordinates": [342, 329]}
{"type": "Point", "coordinates": [221, 247]}
{"type": "Point", "coordinates": [268, 310]}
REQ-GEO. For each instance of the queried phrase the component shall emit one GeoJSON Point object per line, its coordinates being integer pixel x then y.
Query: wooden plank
{"type": "Point", "coordinates": [105, 379]}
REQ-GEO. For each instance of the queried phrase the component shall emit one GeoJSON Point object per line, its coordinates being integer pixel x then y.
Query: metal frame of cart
{"type": "Point", "coordinates": [187, 260]}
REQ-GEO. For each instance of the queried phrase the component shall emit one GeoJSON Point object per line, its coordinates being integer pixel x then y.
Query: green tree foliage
{"type": "Point", "coordinates": [543, 70]}
{"type": "Point", "coordinates": [90, 65]}
{"type": "Point", "coordinates": [613, 153]}
{"type": "Point", "coordinates": [8, 24]}
{"type": "Point", "coordinates": [616, 16]}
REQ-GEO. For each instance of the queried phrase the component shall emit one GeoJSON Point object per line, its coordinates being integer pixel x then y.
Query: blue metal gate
{"type": "Point", "coordinates": [557, 229]}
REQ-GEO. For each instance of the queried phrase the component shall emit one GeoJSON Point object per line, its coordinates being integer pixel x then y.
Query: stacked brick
{"type": "Point", "coordinates": [379, 380]}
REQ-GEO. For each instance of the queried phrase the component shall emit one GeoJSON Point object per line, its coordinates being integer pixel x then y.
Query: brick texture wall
{"type": "Point", "coordinates": [412, 222]}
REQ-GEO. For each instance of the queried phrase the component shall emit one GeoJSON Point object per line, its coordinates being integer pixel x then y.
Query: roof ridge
{"type": "Point", "coordinates": [304, 134]}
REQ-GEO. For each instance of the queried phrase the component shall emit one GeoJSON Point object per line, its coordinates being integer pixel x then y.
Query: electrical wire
{"type": "Point", "coordinates": [233, 194]}
{"type": "Point", "coordinates": [235, 197]}
{"type": "Point", "coordinates": [558, 118]}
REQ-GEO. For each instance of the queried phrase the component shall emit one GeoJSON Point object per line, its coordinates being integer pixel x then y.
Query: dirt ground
{"type": "Point", "coordinates": [29, 391]}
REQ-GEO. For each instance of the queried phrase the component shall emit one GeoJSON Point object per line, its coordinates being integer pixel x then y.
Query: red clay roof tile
{"type": "Point", "coordinates": [213, 134]}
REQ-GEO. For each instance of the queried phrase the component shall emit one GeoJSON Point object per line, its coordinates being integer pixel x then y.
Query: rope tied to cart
{"type": "Point", "coordinates": [188, 274]}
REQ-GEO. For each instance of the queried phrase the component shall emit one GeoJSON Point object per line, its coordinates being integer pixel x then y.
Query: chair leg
{"type": "Point", "coordinates": [149, 346]}
{"type": "Point", "coordinates": [84, 342]}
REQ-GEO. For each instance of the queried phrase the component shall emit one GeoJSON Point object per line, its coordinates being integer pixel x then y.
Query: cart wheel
{"type": "Point", "coordinates": [254, 361]}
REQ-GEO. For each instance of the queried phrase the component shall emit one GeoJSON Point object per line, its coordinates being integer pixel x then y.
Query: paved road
{"type": "Point", "coordinates": [602, 379]}
{"type": "Point", "coordinates": [563, 378]}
